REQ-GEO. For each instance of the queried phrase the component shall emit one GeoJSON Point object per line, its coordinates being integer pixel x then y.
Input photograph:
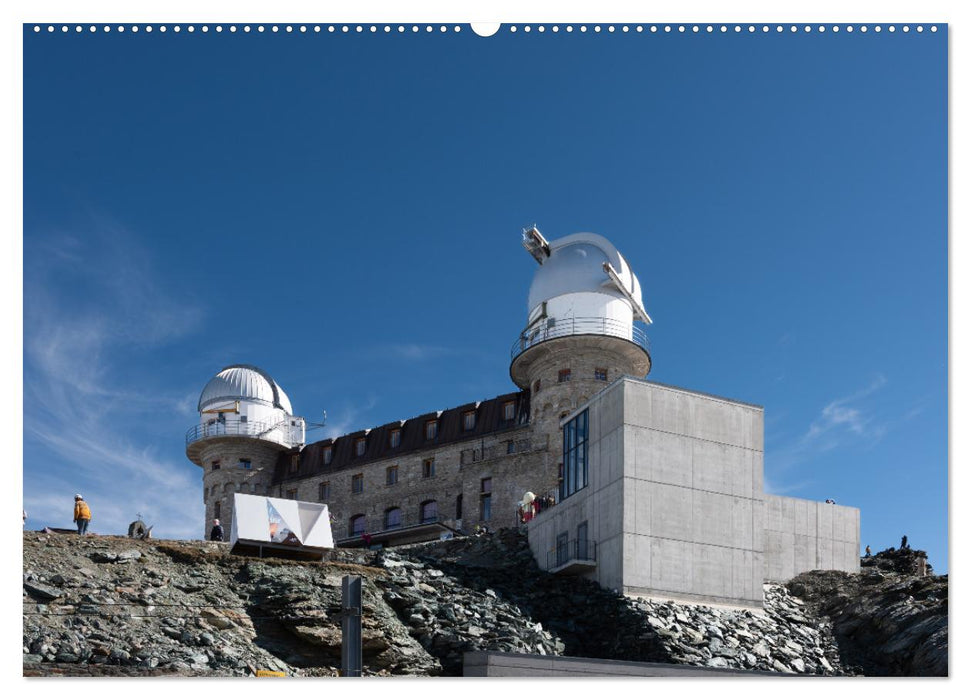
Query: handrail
{"type": "Point", "coordinates": [573, 550]}
{"type": "Point", "coordinates": [203, 431]}
{"type": "Point", "coordinates": [563, 327]}
{"type": "Point", "coordinates": [383, 529]}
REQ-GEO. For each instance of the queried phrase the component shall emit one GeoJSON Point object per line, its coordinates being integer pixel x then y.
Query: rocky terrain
{"type": "Point", "coordinates": [114, 606]}
{"type": "Point", "coordinates": [887, 619]}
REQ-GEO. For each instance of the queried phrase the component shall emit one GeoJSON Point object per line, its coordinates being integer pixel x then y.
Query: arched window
{"type": "Point", "coordinates": [357, 525]}
{"type": "Point", "coordinates": [429, 512]}
{"type": "Point", "coordinates": [392, 518]}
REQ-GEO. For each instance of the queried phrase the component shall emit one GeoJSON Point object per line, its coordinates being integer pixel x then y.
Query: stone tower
{"type": "Point", "coordinates": [580, 333]}
{"type": "Point", "coordinates": [245, 422]}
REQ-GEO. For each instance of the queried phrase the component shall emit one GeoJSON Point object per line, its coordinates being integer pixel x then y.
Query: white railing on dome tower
{"type": "Point", "coordinates": [562, 327]}
{"type": "Point", "coordinates": [254, 429]}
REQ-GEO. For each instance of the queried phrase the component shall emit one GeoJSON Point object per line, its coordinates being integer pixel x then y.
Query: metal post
{"type": "Point", "coordinates": [351, 655]}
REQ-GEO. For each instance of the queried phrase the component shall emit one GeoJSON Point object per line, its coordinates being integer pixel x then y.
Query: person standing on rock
{"type": "Point", "coordinates": [867, 551]}
{"type": "Point", "coordinates": [216, 535]}
{"type": "Point", "coordinates": [82, 514]}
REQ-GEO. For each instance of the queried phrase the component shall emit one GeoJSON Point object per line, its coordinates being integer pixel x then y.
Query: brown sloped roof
{"type": "Point", "coordinates": [488, 420]}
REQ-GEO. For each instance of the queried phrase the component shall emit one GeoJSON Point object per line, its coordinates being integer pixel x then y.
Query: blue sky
{"type": "Point", "coordinates": [344, 211]}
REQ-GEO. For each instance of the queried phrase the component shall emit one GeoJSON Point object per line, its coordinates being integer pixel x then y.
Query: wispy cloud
{"type": "Point", "coordinates": [348, 419]}
{"type": "Point", "coordinates": [842, 421]}
{"type": "Point", "coordinates": [840, 415]}
{"type": "Point", "coordinates": [91, 299]}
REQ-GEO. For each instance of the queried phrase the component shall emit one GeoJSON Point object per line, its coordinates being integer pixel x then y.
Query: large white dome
{"type": "Point", "coordinates": [244, 383]}
{"type": "Point", "coordinates": [575, 264]}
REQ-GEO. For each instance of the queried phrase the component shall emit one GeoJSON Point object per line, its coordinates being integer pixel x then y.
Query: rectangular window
{"type": "Point", "coordinates": [485, 506]}
{"type": "Point", "coordinates": [328, 454]}
{"type": "Point", "coordinates": [431, 429]}
{"type": "Point", "coordinates": [510, 447]}
{"type": "Point", "coordinates": [468, 420]}
{"type": "Point", "coordinates": [395, 439]}
{"type": "Point", "coordinates": [360, 445]}
{"type": "Point", "coordinates": [391, 474]}
{"type": "Point", "coordinates": [563, 375]}
{"type": "Point", "coordinates": [583, 550]}
{"type": "Point", "coordinates": [215, 464]}
{"type": "Point", "coordinates": [485, 499]}
{"type": "Point", "coordinates": [575, 474]}
{"type": "Point", "coordinates": [562, 548]}
{"type": "Point", "coordinates": [245, 463]}
{"type": "Point", "coordinates": [600, 374]}
{"type": "Point", "coordinates": [509, 410]}
{"type": "Point", "coordinates": [292, 495]}
{"type": "Point", "coordinates": [242, 419]}
{"type": "Point", "coordinates": [427, 468]}
{"type": "Point", "coordinates": [323, 491]}
{"type": "Point", "coordinates": [357, 483]}
{"type": "Point", "coordinates": [294, 464]}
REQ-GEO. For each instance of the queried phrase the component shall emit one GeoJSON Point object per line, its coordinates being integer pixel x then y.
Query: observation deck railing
{"type": "Point", "coordinates": [256, 429]}
{"type": "Point", "coordinates": [563, 327]}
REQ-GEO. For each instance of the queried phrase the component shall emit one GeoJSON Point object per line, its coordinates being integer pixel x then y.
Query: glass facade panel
{"type": "Point", "coordinates": [575, 472]}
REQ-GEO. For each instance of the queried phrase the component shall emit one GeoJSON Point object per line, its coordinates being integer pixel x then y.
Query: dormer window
{"type": "Point", "coordinates": [360, 445]}
{"type": "Point", "coordinates": [468, 420]}
{"type": "Point", "coordinates": [431, 429]}
{"type": "Point", "coordinates": [394, 440]}
{"type": "Point", "coordinates": [328, 454]}
{"type": "Point", "coordinates": [509, 410]}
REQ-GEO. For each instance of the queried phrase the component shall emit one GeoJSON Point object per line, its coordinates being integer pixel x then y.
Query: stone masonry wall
{"type": "Point", "coordinates": [460, 469]}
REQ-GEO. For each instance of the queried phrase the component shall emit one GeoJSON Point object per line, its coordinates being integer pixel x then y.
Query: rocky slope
{"type": "Point", "coordinates": [888, 620]}
{"type": "Point", "coordinates": [113, 606]}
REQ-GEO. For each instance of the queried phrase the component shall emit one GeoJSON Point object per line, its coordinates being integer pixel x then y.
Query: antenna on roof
{"type": "Point", "coordinates": [318, 426]}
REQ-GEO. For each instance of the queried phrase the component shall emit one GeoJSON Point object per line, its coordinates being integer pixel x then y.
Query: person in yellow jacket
{"type": "Point", "coordinates": [82, 514]}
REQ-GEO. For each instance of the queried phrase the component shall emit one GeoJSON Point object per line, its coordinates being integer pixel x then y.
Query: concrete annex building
{"type": "Point", "coordinates": [658, 489]}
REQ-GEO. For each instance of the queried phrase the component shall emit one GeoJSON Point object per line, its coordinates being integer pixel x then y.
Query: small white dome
{"type": "Point", "coordinates": [576, 264]}
{"type": "Point", "coordinates": [244, 383]}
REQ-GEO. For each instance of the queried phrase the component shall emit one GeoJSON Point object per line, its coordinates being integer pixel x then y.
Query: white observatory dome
{"type": "Point", "coordinates": [576, 266]}
{"type": "Point", "coordinates": [244, 383]}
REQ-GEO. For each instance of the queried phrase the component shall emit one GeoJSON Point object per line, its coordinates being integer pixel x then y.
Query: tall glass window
{"type": "Point", "coordinates": [575, 472]}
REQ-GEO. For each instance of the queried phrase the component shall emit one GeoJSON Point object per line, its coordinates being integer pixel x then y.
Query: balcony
{"type": "Point", "coordinates": [563, 327]}
{"type": "Point", "coordinates": [572, 557]}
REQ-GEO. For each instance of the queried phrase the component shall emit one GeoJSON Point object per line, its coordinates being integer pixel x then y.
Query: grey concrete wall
{"type": "Point", "coordinates": [499, 664]}
{"type": "Point", "coordinates": [802, 535]}
{"type": "Point", "coordinates": [601, 503]}
{"type": "Point", "coordinates": [692, 496]}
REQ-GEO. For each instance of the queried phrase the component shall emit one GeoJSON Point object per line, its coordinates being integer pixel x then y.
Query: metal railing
{"type": "Point", "coordinates": [380, 526]}
{"type": "Point", "coordinates": [573, 550]}
{"type": "Point", "coordinates": [559, 328]}
{"type": "Point", "coordinates": [233, 427]}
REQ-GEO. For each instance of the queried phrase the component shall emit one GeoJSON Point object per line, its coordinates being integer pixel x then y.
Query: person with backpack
{"type": "Point", "coordinates": [82, 514]}
{"type": "Point", "coordinates": [216, 535]}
